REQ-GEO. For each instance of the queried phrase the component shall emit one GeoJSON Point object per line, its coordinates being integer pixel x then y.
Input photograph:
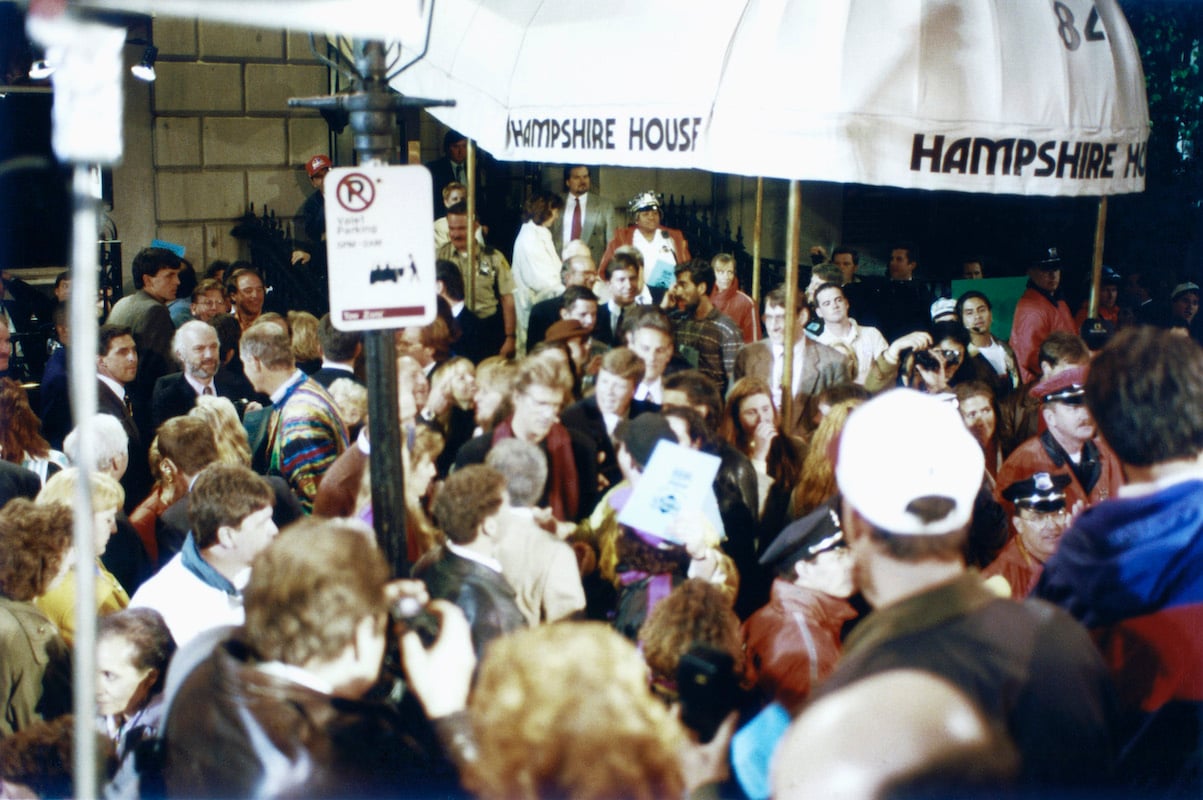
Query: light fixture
{"type": "Point", "coordinates": [40, 70]}
{"type": "Point", "coordinates": [145, 69]}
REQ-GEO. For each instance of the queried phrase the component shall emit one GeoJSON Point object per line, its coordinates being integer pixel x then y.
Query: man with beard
{"type": "Point", "coordinates": [195, 347]}
{"type": "Point", "coordinates": [1040, 520]}
{"type": "Point", "coordinates": [908, 493]}
{"type": "Point", "coordinates": [976, 314]}
{"type": "Point", "coordinates": [1071, 445]}
{"type": "Point", "coordinates": [587, 217]}
{"type": "Point", "coordinates": [708, 339]}
{"type": "Point", "coordinates": [1040, 311]}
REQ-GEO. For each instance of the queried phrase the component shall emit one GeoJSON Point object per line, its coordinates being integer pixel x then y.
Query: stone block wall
{"type": "Point", "coordinates": [223, 135]}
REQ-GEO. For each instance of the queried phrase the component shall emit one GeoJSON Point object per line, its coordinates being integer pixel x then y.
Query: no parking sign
{"type": "Point", "coordinates": [380, 247]}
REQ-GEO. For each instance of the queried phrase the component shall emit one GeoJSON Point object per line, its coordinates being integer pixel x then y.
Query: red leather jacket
{"type": "Point", "coordinates": [793, 642]}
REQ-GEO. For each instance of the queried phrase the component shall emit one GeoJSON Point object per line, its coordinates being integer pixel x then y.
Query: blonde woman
{"type": "Point", "coordinates": [306, 348]}
{"type": "Point", "coordinates": [219, 414]}
{"type": "Point", "coordinates": [107, 498]}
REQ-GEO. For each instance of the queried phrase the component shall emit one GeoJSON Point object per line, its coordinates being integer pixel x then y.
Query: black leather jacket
{"type": "Point", "coordinates": [236, 731]}
{"type": "Point", "coordinates": [482, 594]}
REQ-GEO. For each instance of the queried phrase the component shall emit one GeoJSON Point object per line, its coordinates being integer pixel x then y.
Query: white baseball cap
{"type": "Point", "coordinates": [903, 446]}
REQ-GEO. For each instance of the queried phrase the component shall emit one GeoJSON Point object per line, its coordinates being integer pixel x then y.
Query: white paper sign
{"type": "Point", "coordinates": [380, 247]}
{"type": "Point", "coordinates": [676, 478]}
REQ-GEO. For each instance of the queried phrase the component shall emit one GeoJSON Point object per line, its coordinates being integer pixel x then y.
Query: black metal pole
{"type": "Point", "coordinates": [372, 117]}
{"type": "Point", "coordinates": [372, 112]}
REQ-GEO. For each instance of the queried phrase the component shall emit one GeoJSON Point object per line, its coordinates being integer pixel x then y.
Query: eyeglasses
{"type": "Point", "coordinates": [1046, 519]}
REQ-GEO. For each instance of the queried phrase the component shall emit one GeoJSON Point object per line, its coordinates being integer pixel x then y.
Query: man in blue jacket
{"type": "Point", "coordinates": [1131, 568]}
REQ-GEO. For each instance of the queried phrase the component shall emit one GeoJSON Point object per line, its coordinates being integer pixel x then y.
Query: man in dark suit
{"type": "Point", "coordinates": [339, 351]}
{"type": "Point", "coordinates": [587, 217]}
{"type": "Point", "coordinates": [196, 348]}
{"type": "Point", "coordinates": [55, 411]}
{"type": "Point", "coordinates": [464, 570]}
{"type": "Point", "coordinates": [156, 273]}
{"type": "Point", "coordinates": [466, 335]}
{"type": "Point", "coordinates": [599, 414]}
{"type": "Point", "coordinates": [623, 277]}
{"type": "Point", "coordinates": [453, 166]}
{"type": "Point", "coordinates": [116, 367]}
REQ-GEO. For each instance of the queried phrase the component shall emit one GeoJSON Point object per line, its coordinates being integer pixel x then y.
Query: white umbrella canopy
{"type": "Point", "coordinates": [999, 96]}
{"type": "Point", "coordinates": [1041, 97]}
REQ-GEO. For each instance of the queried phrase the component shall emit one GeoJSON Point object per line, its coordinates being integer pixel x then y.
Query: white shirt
{"type": "Point", "coordinates": [867, 342]}
{"type": "Point", "coordinates": [282, 390]}
{"type": "Point", "coordinates": [660, 248]}
{"type": "Point", "coordinates": [996, 355]}
{"type": "Point", "coordinates": [779, 368]}
{"type": "Point", "coordinates": [199, 387]}
{"type": "Point", "coordinates": [652, 392]}
{"type": "Point", "coordinates": [338, 365]}
{"type": "Point", "coordinates": [118, 388]}
{"type": "Point", "coordinates": [189, 605]}
{"type": "Point", "coordinates": [611, 421]}
{"type": "Point", "coordinates": [472, 555]}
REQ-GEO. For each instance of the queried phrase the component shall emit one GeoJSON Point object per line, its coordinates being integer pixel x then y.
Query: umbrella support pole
{"type": "Point", "coordinates": [471, 245]}
{"type": "Point", "coordinates": [1096, 266]}
{"type": "Point", "coordinates": [793, 227]}
{"type": "Point", "coordinates": [757, 226]}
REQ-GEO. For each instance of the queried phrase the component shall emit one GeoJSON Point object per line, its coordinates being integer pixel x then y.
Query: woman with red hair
{"type": "Point", "coordinates": [21, 442]}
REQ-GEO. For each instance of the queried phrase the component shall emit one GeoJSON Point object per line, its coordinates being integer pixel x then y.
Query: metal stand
{"type": "Point", "coordinates": [372, 107]}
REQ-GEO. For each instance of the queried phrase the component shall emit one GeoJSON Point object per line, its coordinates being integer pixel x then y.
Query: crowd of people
{"type": "Point", "coordinates": [962, 565]}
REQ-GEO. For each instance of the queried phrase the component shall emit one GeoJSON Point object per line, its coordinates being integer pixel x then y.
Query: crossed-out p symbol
{"type": "Point", "coordinates": [355, 192]}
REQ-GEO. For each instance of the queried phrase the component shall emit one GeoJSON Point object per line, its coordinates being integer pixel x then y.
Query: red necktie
{"type": "Point", "coordinates": [576, 218]}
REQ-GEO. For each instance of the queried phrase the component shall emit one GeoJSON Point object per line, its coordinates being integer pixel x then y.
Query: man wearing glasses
{"type": "Point", "coordinates": [208, 300]}
{"type": "Point", "coordinates": [1039, 521]}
